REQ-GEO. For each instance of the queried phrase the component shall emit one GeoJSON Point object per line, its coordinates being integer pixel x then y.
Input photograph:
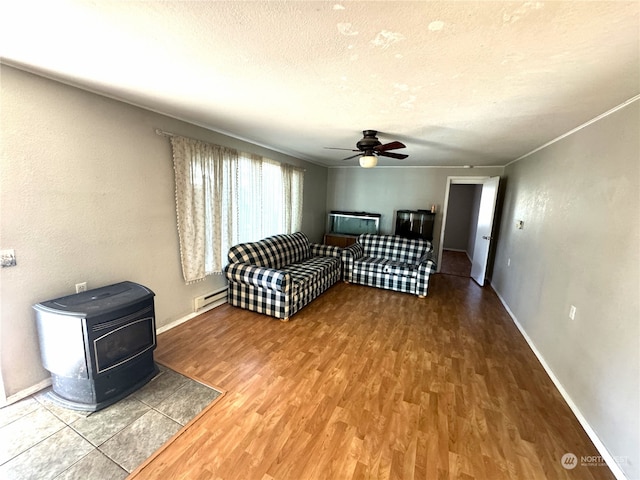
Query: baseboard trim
{"type": "Point", "coordinates": [188, 317]}
{"type": "Point", "coordinates": [593, 436]}
{"type": "Point", "coordinates": [22, 394]}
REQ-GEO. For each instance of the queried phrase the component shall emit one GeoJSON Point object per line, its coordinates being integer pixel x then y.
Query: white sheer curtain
{"type": "Point", "coordinates": [293, 188]}
{"type": "Point", "coordinates": [224, 197]}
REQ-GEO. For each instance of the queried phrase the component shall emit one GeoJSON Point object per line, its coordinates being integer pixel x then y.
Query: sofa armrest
{"type": "Point", "coordinates": [428, 266]}
{"type": "Point", "coordinates": [318, 250]}
{"type": "Point", "coordinates": [429, 247]}
{"type": "Point", "coordinates": [427, 262]}
{"type": "Point", "coordinates": [261, 277]}
{"type": "Point", "coordinates": [354, 251]}
{"type": "Point", "coordinates": [349, 254]}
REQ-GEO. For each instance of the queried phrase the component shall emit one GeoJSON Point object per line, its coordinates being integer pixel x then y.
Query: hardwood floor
{"type": "Point", "coordinates": [455, 263]}
{"type": "Point", "coordinates": [367, 383]}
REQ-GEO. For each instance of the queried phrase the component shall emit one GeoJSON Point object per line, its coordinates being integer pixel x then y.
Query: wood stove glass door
{"type": "Point", "coordinates": [124, 343]}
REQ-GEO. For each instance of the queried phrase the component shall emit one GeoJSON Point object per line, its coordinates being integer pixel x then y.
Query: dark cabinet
{"type": "Point", "coordinates": [415, 224]}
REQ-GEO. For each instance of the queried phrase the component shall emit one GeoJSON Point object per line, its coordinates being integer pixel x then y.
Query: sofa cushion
{"type": "Point", "coordinates": [401, 269]}
{"type": "Point", "coordinates": [380, 266]}
{"type": "Point", "coordinates": [370, 263]}
{"type": "Point", "coordinates": [398, 249]}
{"type": "Point", "coordinates": [311, 271]}
{"type": "Point", "coordinates": [272, 252]}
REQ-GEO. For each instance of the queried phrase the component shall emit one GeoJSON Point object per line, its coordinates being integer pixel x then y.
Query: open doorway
{"type": "Point", "coordinates": [460, 222]}
{"type": "Point", "coordinates": [467, 227]}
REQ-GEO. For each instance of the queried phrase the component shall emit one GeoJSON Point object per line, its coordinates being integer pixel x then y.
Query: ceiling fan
{"type": "Point", "coordinates": [369, 148]}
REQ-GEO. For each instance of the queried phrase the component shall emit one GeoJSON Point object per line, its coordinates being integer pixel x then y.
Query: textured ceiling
{"type": "Point", "coordinates": [460, 83]}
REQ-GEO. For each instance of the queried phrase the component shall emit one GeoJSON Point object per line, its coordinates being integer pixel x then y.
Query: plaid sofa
{"type": "Point", "coordinates": [390, 262]}
{"type": "Point", "coordinates": [279, 275]}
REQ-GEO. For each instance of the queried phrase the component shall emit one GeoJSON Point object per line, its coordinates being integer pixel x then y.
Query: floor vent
{"type": "Point", "coordinates": [218, 297]}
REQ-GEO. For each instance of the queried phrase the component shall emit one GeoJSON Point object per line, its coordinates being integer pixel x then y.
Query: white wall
{"type": "Point", "coordinates": [580, 201]}
{"type": "Point", "coordinates": [459, 215]}
{"type": "Point", "coordinates": [87, 194]}
{"type": "Point", "coordinates": [385, 190]}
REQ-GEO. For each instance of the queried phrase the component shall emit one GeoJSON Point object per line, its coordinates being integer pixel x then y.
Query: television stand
{"type": "Point", "coordinates": [339, 240]}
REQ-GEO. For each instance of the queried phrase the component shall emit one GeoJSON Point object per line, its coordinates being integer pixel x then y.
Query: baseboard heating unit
{"type": "Point", "coordinates": [218, 297]}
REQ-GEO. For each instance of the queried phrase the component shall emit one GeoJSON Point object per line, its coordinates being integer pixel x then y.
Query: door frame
{"type": "Point", "coordinates": [454, 180]}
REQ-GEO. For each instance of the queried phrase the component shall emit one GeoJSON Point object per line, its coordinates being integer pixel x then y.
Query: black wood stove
{"type": "Point", "coordinates": [98, 345]}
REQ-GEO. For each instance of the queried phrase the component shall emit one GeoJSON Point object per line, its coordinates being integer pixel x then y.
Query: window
{"type": "Point", "coordinates": [224, 197]}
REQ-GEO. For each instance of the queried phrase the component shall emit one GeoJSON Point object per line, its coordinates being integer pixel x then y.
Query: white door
{"type": "Point", "coordinates": [484, 230]}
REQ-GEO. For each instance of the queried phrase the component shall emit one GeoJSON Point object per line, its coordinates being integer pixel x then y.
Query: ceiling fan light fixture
{"type": "Point", "coordinates": [370, 148]}
{"type": "Point", "coordinates": [368, 160]}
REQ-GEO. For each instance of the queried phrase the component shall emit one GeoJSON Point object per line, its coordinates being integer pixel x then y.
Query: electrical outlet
{"type": "Point", "coordinates": [81, 287]}
{"type": "Point", "coordinates": [572, 312]}
{"type": "Point", "coordinates": [8, 258]}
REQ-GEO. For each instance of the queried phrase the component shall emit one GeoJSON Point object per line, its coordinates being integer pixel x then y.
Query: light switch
{"type": "Point", "coordinates": [520, 224]}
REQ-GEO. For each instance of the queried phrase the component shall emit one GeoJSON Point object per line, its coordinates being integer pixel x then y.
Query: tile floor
{"type": "Point", "coordinates": [41, 440]}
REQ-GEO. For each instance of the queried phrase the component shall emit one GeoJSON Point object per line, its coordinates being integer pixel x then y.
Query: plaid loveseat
{"type": "Point", "coordinates": [390, 262]}
{"type": "Point", "coordinates": [279, 275]}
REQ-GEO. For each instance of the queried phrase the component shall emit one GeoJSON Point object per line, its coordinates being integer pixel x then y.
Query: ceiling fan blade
{"type": "Point", "coordinates": [336, 148]}
{"type": "Point", "coordinates": [399, 156]}
{"type": "Point", "coordinates": [352, 156]}
{"type": "Point", "coordinates": [389, 146]}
